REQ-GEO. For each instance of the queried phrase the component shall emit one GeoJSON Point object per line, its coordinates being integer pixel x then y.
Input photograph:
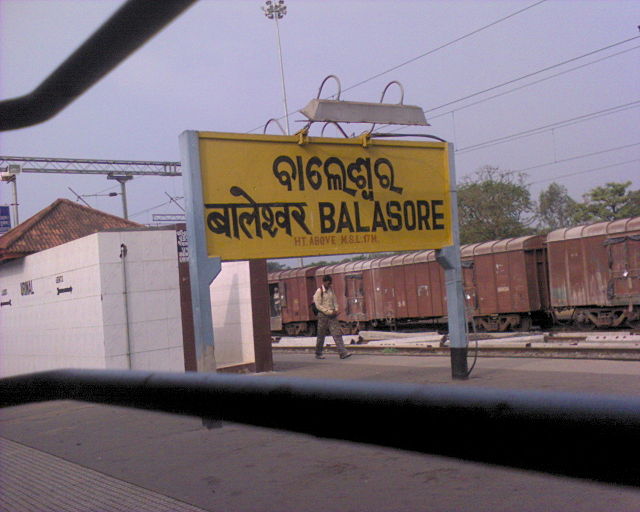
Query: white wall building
{"type": "Point", "coordinates": [112, 300]}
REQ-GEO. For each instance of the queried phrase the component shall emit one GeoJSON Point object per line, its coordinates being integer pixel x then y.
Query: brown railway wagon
{"type": "Point", "coordinates": [408, 289]}
{"type": "Point", "coordinates": [594, 274]}
{"type": "Point", "coordinates": [291, 294]}
{"type": "Point", "coordinates": [505, 282]}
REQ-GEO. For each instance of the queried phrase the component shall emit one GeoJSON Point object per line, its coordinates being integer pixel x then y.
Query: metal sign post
{"type": "Point", "coordinates": [449, 259]}
{"type": "Point", "coordinates": [202, 269]}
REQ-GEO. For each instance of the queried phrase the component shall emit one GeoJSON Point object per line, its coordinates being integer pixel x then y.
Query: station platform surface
{"type": "Point", "coordinates": [72, 456]}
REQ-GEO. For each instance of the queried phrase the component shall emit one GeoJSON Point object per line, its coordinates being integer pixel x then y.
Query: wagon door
{"type": "Point", "coordinates": [468, 278]}
{"type": "Point", "coordinates": [388, 295]}
{"type": "Point", "coordinates": [578, 275]}
{"type": "Point", "coordinates": [400, 291]}
{"type": "Point", "coordinates": [354, 291]}
{"type": "Point", "coordinates": [274, 306]}
{"type": "Point", "coordinates": [311, 287]}
{"type": "Point", "coordinates": [484, 278]}
{"type": "Point", "coordinates": [510, 282]}
{"type": "Point", "coordinates": [542, 278]}
{"type": "Point", "coordinates": [624, 264]}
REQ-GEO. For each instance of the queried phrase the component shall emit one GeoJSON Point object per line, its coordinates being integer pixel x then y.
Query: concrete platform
{"type": "Point", "coordinates": [32, 480]}
{"type": "Point", "coordinates": [115, 459]}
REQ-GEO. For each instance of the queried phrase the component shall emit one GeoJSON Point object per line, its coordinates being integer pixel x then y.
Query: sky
{"type": "Point", "coordinates": [550, 88]}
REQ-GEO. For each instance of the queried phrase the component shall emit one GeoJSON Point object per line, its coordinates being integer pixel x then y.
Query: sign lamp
{"type": "Point", "coordinates": [363, 112]}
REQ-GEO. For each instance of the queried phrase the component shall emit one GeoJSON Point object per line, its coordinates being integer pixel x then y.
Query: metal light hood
{"type": "Point", "coordinates": [361, 112]}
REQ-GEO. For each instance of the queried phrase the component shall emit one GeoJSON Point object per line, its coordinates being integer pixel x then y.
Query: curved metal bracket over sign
{"type": "Point", "coordinates": [337, 98]}
{"type": "Point", "coordinates": [337, 126]}
{"type": "Point", "coordinates": [273, 120]}
{"type": "Point", "coordinates": [384, 91]}
{"type": "Point", "coordinates": [325, 80]}
{"type": "Point", "coordinates": [401, 91]}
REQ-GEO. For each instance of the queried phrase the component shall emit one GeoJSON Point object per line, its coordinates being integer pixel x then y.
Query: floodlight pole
{"type": "Point", "coordinates": [275, 10]}
{"type": "Point", "coordinates": [14, 190]}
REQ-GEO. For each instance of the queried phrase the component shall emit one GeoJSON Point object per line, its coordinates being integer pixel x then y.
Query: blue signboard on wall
{"type": "Point", "coordinates": [5, 219]}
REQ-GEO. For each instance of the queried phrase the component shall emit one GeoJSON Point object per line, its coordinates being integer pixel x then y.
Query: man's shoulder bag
{"type": "Point", "coordinates": [314, 308]}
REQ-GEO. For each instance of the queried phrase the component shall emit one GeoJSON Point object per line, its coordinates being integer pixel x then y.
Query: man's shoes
{"type": "Point", "coordinates": [344, 356]}
{"type": "Point", "coordinates": [320, 356]}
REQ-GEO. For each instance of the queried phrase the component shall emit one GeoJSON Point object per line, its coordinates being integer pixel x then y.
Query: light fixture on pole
{"type": "Point", "coordinates": [275, 10]}
{"type": "Point", "coordinates": [122, 179]}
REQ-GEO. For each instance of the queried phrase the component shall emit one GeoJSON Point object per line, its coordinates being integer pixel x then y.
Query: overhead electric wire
{"type": "Point", "coordinates": [531, 83]}
{"type": "Point", "coordinates": [542, 129]}
{"type": "Point", "coordinates": [578, 157]}
{"type": "Point", "coordinates": [584, 172]}
{"type": "Point", "coordinates": [528, 75]}
{"type": "Point", "coordinates": [108, 188]}
{"type": "Point", "coordinates": [149, 209]}
{"type": "Point", "coordinates": [441, 47]}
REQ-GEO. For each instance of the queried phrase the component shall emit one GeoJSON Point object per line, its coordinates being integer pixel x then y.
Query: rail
{"type": "Point", "coordinates": [578, 435]}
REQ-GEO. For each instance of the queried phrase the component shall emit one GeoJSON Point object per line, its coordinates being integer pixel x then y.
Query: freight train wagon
{"type": "Point", "coordinates": [587, 276]}
{"type": "Point", "coordinates": [505, 283]}
{"type": "Point", "coordinates": [594, 274]}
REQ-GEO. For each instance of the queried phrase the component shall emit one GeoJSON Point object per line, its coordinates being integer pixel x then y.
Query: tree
{"type": "Point", "coordinates": [274, 266]}
{"type": "Point", "coordinates": [609, 202]}
{"type": "Point", "coordinates": [494, 204]}
{"type": "Point", "coordinates": [555, 208]}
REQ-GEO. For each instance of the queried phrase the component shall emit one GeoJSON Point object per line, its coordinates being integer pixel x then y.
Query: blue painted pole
{"type": "Point", "coordinates": [449, 259]}
{"type": "Point", "coordinates": [202, 269]}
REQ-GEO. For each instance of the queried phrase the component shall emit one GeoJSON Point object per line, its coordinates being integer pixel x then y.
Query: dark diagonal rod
{"type": "Point", "coordinates": [122, 34]}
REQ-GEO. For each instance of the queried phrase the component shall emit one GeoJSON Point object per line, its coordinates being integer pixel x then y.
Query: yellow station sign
{"type": "Point", "coordinates": [269, 196]}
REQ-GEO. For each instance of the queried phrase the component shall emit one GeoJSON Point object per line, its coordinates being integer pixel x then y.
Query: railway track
{"type": "Point", "coordinates": [618, 345]}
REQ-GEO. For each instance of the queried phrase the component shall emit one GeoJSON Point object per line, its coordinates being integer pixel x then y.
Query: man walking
{"type": "Point", "coordinates": [327, 304]}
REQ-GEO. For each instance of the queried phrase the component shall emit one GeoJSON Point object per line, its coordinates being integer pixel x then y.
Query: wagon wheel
{"type": "Point", "coordinates": [289, 330]}
{"type": "Point", "coordinates": [346, 327]}
{"type": "Point", "coordinates": [584, 326]}
{"type": "Point", "coordinates": [562, 323]}
{"type": "Point", "coordinates": [634, 324]}
{"type": "Point", "coordinates": [478, 325]}
{"type": "Point", "coordinates": [525, 324]}
{"type": "Point", "coordinates": [353, 327]}
{"type": "Point", "coordinates": [311, 329]}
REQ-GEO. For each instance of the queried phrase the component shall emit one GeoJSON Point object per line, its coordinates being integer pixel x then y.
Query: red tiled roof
{"type": "Point", "coordinates": [59, 223]}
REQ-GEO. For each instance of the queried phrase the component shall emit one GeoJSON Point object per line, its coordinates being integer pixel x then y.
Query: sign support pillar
{"type": "Point", "coordinates": [203, 270]}
{"type": "Point", "coordinates": [449, 258]}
